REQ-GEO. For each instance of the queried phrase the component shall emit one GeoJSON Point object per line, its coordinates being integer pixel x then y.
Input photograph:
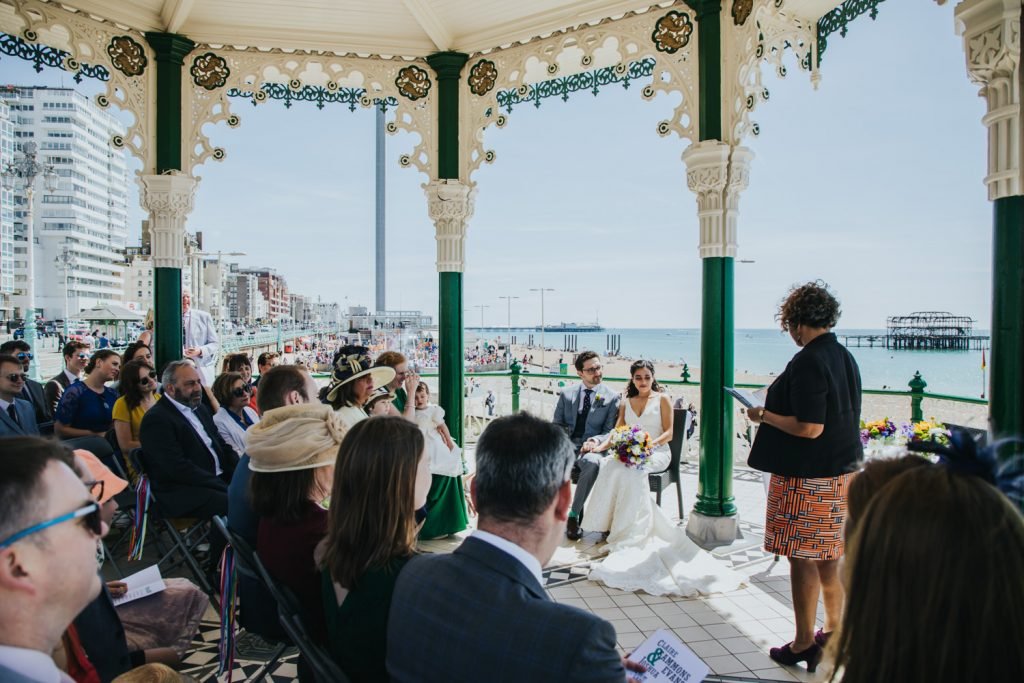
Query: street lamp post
{"type": "Point", "coordinates": [508, 322]}
{"type": "Point", "coordinates": [66, 261]}
{"type": "Point", "coordinates": [481, 307]}
{"type": "Point", "coordinates": [26, 169]}
{"type": "Point", "coordinates": [543, 365]}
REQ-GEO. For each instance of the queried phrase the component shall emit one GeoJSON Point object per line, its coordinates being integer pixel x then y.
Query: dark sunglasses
{"type": "Point", "coordinates": [25, 355]}
{"type": "Point", "coordinates": [150, 375]}
{"type": "Point", "coordinates": [89, 514]}
{"type": "Point", "coordinates": [83, 356]}
{"type": "Point", "coordinates": [241, 391]}
{"type": "Point", "coordinates": [17, 376]}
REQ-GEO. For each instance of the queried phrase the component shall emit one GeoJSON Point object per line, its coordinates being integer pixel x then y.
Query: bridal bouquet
{"type": "Point", "coordinates": [631, 445]}
{"type": "Point", "coordinates": [877, 429]}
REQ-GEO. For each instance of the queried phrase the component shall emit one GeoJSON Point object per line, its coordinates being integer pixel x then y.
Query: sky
{"type": "Point", "coordinates": [873, 183]}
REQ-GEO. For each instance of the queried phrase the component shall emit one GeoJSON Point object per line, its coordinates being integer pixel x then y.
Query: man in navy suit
{"type": "Point", "coordinates": [33, 390]}
{"type": "Point", "coordinates": [188, 463]}
{"type": "Point", "coordinates": [481, 612]}
{"type": "Point", "coordinates": [586, 411]}
{"type": "Point", "coordinates": [17, 416]}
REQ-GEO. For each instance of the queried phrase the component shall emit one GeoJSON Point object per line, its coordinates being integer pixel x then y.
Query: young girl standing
{"type": "Point", "coordinates": [446, 509]}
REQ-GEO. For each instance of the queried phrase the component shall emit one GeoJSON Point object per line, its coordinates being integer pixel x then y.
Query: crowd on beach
{"type": "Point", "coordinates": [335, 487]}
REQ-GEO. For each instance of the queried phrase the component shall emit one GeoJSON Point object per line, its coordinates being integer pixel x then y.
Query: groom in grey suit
{"type": "Point", "coordinates": [586, 412]}
{"type": "Point", "coordinates": [481, 612]}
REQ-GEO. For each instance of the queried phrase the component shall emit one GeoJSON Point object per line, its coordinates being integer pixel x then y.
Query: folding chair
{"type": "Point", "coordinates": [290, 612]}
{"type": "Point", "coordinates": [182, 545]}
{"type": "Point", "coordinates": [659, 481]}
{"type": "Point", "coordinates": [246, 565]}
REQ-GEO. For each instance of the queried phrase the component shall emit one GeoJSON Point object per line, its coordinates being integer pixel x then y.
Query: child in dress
{"type": "Point", "coordinates": [440, 447]}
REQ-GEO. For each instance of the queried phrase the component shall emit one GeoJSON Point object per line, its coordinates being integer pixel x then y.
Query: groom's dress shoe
{"type": "Point", "coordinates": [572, 529]}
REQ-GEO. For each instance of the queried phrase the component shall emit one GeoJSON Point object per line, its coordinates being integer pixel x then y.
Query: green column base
{"type": "Point", "coordinates": [167, 316]}
{"type": "Point", "coordinates": [451, 353]}
{"type": "Point", "coordinates": [714, 487]}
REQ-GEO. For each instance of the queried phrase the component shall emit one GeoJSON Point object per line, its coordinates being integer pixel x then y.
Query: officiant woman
{"type": "Point", "coordinates": [809, 440]}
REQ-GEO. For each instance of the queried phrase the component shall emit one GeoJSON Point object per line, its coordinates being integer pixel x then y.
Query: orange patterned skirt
{"type": "Point", "coordinates": [805, 517]}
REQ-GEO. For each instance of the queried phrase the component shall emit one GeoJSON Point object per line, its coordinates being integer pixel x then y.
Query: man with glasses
{"type": "Point", "coordinates": [33, 390]}
{"type": "Point", "coordinates": [76, 356]}
{"type": "Point", "coordinates": [49, 529]}
{"type": "Point", "coordinates": [586, 412]}
{"type": "Point", "coordinates": [17, 416]}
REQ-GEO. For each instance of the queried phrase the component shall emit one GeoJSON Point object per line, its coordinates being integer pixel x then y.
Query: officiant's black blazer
{"type": "Point", "coordinates": [478, 614]}
{"type": "Point", "coordinates": [180, 467]}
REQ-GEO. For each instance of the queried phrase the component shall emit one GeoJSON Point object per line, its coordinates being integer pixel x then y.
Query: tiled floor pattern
{"type": "Point", "coordinates": [731, 632]}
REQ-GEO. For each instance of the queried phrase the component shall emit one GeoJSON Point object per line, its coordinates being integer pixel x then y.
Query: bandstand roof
{"type": "Point", "coordinates": [404, 28]}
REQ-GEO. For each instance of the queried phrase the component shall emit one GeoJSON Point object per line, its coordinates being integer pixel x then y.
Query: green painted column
{"type": "Point", "coordinates": [451, 374]}
{"type": "Point", "coordinates": [1006, 389]}
{"type": "Point", "coordinates": [170, 50]}
{"type": "Point", "coordinates": [714, 486]}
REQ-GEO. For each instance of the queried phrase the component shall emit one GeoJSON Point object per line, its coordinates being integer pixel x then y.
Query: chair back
{"type": "Point", "coordinates": [681, 419]}
{"type": "Point", "coordinates": [290, 613]}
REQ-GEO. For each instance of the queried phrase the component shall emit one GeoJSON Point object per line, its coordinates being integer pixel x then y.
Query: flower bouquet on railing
{"type": "Point", "coordinates": [882, 438]}
{"type": "Point", "coordinates": [631, 445]}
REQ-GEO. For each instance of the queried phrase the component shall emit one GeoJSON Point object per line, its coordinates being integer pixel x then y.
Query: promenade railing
{"type": "Point", "coordinates": [538, 392]}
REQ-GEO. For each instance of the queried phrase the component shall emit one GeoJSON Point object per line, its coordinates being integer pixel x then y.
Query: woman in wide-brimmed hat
{"type": "Point", "coordinates": [352, 382]}
{"type": "Point", "coordinates": [292, 452]}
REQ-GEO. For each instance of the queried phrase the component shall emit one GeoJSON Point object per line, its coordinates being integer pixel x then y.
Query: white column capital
{"type": "Point", "coordinates": [169, 198]}
{"type": "Point", "coordinates": [717, 173]}
{"type": "Point", "coordinates": [450, 205]}
{"type": "Point", "coordinates": [991, 34]}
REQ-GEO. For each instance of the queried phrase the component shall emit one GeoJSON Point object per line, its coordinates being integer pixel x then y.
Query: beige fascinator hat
{"type": "Point", "coordinates": [297, 437]}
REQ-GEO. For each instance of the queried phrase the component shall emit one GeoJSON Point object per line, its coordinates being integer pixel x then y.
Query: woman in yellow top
{"type": "Point", "coordinates": [138, 394]}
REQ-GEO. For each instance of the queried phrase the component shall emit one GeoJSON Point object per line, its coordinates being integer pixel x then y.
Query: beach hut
{"type": "Point", "coordinates": [112, 318]}
{"type": "Point", "coordinates": [451, 70]}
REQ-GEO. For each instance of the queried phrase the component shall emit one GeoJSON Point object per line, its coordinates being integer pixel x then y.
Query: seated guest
{"type": "Point", "coordinates": [137, 351]}
{"type": "Point", "coordinates": [49, 528]}
{"type": "Point", "coordinates": [352, 382]}
{"type": "Point", "coordinates": [381, 478]}
{"type": "Point", "coordinates": [934, 546]}
{"type": "Point", "coordinates": [33, 390]}
{"type": "Point", "coordinates": [157, 629]}
{"type": "Point", "coordinates": [76, 357]}
{"type": "Point", "coordinates": [17, 416]}
{"type": "Point", "coordinates": [284, 385]}
{"type": "Point", "coordinates": [188, 463]}
{"type": "Point", "coordinates": [235, 416]}
{"type": "Point", "coordinates": [292, 453]}
{"type": "Point", "coordinates": [138, 394]}
{"type": "Point", "coordinates": [86, 407]}
{"type": "Point", "coordinates": [265, 361]}
{"type": "Point", "coordinates": [522, 495]}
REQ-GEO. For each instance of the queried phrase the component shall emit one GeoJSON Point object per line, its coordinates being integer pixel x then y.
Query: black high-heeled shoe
{"type": "Point", "coordinates": [785, 655]}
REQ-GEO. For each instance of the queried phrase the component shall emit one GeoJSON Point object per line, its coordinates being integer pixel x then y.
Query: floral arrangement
{"type": "Point", "coordinates": [926, 430]}
{"type": "Point", "coordinates": [876, 429]}
{"type": "Point", "coordinates": [886, 432]}
{"type": "Point", "coordinates": [631, 445]}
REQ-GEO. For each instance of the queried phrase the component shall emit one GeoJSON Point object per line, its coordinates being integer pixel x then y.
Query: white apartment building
{"type": "Point", "coordinates": [88, 211]}
{"type": "Point", "coordinates": [245, 302]}
{"type": "Point", "coordinates": [6, 216]}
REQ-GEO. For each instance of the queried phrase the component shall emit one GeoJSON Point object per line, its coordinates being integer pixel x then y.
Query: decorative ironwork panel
{"type": "Point", "coordinates": [672, 32]}
{"type": "Point", "coordinates": [482, 77]}
{"type": "Point", "coordinates": [838, 20]}
{"type": "Point", "coordinates": [413, 82]}
{"type": "Point", "coordinates": [353, 97]}
{"type": "Point", "coordinates": [588, 80]}
{"type": "Point", "coordinates": [209, 71]}
{"type": "Point", "coordinates": [42, 55]}
{"type": "Point", "coordinates": [741, 10]}
{"type": "Point", "coordinates": [49, 34]}
{"type": "Point", "coordinates": [127, 56]}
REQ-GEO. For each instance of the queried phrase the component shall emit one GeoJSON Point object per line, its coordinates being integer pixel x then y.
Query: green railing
{"type": "Point", "coordinates": [915, 394]}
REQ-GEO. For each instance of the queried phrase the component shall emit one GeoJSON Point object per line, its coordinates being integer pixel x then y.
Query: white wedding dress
{"type": "Point", "coordinates": [646, 551]}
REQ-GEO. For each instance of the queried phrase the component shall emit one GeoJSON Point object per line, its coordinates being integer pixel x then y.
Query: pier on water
{"type": "Point", "coordinates": [924, 331]}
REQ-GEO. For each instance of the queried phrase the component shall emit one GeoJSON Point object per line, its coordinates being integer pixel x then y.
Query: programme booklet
{"type": "Point", "coordinates": [668, 660]}
{"type": "Point", "coordinates": [140, 584]}
{"type": "Point", "coordinates": [750, 399]}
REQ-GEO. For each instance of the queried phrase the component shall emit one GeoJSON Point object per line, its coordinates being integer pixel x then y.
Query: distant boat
{"type": "Point", "coordinates": [570, 327]}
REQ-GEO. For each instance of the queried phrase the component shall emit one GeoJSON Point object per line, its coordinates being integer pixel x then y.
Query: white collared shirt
{"type": "Point", "coordinates": [71, 377]}
{"type": "Point", "coordinates": [531, 563]}
{"type": "Point", "coordinates": [32, 664]}
{"type": "Point", "coordinates": [200, 432]}
{"type": "Point", "coordinates": [4, 404]}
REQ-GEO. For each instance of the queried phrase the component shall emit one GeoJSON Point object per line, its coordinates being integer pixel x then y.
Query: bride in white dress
{"type": "Point", "coordinates": [646, 551]}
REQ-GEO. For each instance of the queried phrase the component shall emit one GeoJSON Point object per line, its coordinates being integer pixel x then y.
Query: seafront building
{"type": "Point", "coordinates": [6, 216]}
{"type": "Point", "coordinates": [86, 217]}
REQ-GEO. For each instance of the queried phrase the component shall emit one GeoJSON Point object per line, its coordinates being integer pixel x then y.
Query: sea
{"type": "Point", "coordinates": [766, 352]}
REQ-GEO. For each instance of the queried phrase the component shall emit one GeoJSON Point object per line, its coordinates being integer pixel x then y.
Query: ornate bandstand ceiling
{"type": "Point", "coordinates": [403, 28]}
